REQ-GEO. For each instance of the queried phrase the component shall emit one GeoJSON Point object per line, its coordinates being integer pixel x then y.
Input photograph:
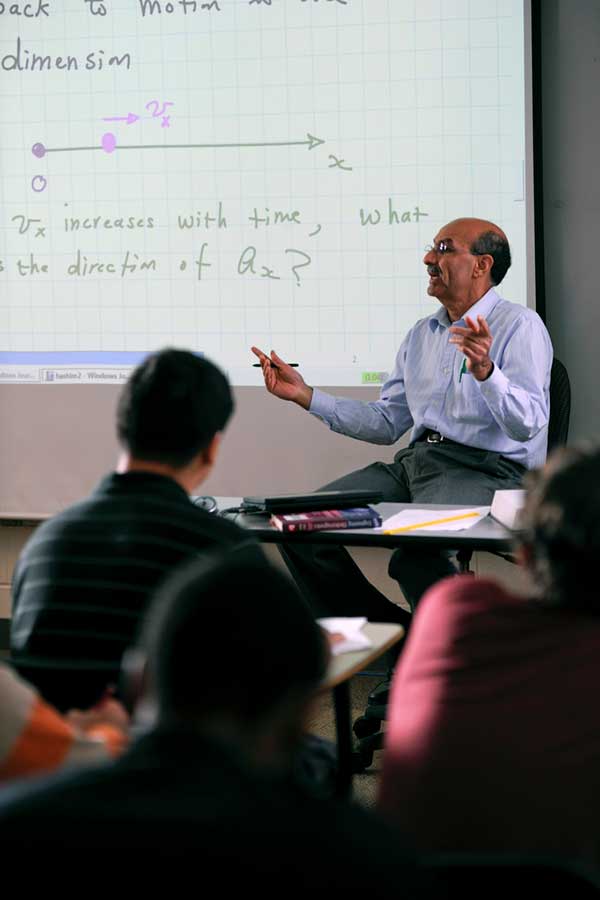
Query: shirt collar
{"type": "Point", "coordinates": [483, 307]}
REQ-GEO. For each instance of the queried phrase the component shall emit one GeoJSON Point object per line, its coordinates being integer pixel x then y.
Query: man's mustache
{"type": "Point", "coordinates": [433, 270]}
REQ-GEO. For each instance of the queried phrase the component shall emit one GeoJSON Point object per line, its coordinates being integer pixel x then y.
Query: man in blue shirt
{"type": "Point", "coordinates": [471, 381]}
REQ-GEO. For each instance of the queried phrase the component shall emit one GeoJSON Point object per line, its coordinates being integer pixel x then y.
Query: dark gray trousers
{"type": "Point", "coordinates": [422, 473]}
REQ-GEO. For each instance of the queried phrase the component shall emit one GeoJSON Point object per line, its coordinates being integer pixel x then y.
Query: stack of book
{"type": "Point", "coordinates": [326, 519]}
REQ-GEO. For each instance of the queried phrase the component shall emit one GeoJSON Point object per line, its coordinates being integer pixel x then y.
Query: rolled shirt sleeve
{"type": "Point", "coordinates": [381, 421]}
{"type": "Point", "coordinates": [516, 392]}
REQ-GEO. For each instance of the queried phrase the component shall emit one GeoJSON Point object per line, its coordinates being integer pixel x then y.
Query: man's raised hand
{"type": "Point", "coordinates": [282, 380]}
{"type": "Point", "coordinates": [475, 341]}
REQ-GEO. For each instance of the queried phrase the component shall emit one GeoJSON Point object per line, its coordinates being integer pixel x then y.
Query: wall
{"type": "Point", "coordinates": [268, 446]}
{"type": "Point", "coordinates": [571, 155]}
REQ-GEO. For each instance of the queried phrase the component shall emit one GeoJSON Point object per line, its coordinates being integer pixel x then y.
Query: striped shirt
{"type": "Point", "coordinates": [34, 738]}
{"type": "Point", "coordinates": [428, 388]}
{"type": "Point", "coordinates": [84, 579]}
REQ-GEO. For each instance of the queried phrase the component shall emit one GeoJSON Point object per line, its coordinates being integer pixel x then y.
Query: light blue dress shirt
{"type": "Point", "coordinates": [506, 413]}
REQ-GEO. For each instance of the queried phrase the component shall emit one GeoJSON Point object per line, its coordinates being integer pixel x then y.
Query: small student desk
{"type": "Point", "coordinates": [341, 670]}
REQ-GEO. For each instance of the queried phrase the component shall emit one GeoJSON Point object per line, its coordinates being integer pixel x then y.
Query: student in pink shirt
{"type": "Point", "coordinates": [493, 740]}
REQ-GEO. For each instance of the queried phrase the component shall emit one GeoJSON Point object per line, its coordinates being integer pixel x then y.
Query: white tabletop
{"type": "Point", "coordinates": [382, 635]}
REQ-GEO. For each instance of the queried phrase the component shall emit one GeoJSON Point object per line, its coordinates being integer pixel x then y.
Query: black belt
{"type": "Point", "coordinates": [434, 437]}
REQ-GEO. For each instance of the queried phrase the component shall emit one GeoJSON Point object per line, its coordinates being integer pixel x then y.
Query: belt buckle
{"type": "Point", "coordinates": [434, 437]}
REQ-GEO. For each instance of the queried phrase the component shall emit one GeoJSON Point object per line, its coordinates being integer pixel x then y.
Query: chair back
{"type": "Point", "coordinates": [560, 406]}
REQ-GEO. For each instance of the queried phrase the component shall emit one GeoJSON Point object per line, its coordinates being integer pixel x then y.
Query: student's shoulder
{"type": "Point", "coordinates": [460, 590]}
{"type": "Point", "coordinates": [216, 527]}
{"type": "Point", "coordinates": [455, 604]}
{"type": "Point", "coordinates": [230, 531]}
{"type": "Point", "coordinates": [62, 523]}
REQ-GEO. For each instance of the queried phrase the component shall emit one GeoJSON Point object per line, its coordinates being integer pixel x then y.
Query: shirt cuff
{"type": "Point", "coordinates": [322, 405]}
{"type": "Point", "coordinates": [495, 386]}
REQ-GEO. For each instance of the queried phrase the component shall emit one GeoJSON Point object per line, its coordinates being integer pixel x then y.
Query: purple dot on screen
{"type": "Point", "coordinates": [109, 142]}
{"type": "Point", "coordinates": [38, 150]}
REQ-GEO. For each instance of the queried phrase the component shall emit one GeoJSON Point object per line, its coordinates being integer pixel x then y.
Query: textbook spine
{"type": "Point", "coordinates": [331, 520]}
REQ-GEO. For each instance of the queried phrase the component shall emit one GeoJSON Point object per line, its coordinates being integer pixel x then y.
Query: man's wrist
{"type": "Point", "coordinates": [483, 372]}
{"type": "Point", "coordinates": [304, 398]}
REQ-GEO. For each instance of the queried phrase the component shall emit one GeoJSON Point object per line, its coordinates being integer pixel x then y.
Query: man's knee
{"type": "Point", "coordinates": [416, 569]}
{"type": "Point", "coordinates": [412, 559]}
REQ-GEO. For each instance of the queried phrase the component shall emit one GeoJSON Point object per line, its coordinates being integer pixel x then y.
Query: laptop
{"type": "Point", "coordinates": [290, 503]}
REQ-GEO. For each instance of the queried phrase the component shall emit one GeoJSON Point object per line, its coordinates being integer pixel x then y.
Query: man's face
{"type": "Point", "coordinates": [450, 265]}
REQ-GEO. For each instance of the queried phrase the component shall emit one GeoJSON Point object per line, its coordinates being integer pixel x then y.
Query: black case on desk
{"type": "Point", "coordinates": [290, 503]}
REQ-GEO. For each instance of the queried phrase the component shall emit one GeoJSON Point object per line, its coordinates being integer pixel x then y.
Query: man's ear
{"type": "Point", "coordinates": [483, 265]}
{"type": "Point", "coordinates": [211, 451]}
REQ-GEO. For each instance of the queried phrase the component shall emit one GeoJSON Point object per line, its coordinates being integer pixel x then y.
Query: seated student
{"type": "Point", "coordinates": [83, 580]}
{"type": "Point", "coordinates": [493, 740]}
{"type": "Point", "coordinates": [234, 658]}
{"type": "Point", "coordinates": [35, 738]}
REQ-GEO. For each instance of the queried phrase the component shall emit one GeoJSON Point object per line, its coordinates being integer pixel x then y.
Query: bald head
{"type": "Point", "coordinates": [483, 238]}
{"type": "Point", "coordinates": [466, 258]}
{"type": "Point", "coordinates": [471, 229]}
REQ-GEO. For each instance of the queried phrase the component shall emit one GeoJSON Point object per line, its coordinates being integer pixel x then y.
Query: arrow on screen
{"type": "Point", "coordinates": [130, 118]}
{"type": "Point", "coordinates": [109, 145]}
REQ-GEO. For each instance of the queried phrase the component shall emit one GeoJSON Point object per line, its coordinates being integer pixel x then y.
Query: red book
{"type": "Point", "coordinates": [325, 519]}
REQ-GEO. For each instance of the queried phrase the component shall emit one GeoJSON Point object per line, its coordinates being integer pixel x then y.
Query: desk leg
{"type": "Point", "coordinates": [341, 701]}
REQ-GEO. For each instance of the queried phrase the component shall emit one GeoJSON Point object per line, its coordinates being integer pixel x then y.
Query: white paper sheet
{"type": "Point", "coordinates": [435, 519]}
{"type": "Point", "coordinates": [351, 629]}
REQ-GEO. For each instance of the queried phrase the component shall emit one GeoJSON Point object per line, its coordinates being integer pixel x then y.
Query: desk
{"type": "Point", "coordinates": [485, 535]}
{"type": "Point", "coordinates": [340, 671]}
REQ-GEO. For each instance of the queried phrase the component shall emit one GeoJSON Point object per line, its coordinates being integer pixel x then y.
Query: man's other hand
{"type": "Point", "coordinates": [475, 342]}
{"type": "Point", "coordinates": [282, 380]}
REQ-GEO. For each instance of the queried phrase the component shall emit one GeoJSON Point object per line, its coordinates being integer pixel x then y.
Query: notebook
{"type": "Point", "coordinates": [289, 503]}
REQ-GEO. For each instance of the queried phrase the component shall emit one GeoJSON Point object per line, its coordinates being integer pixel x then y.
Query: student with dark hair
{"type": "Point", "coordinates": [228, 665]}
{"type": "Point", "coordinates": [493, 737]}
{"type": "Point", "coordinates": [83, 580]}
{"type": "Point", "coordinates": [172, 407]}
{"type": "Point", "coordinates": [238, 621]}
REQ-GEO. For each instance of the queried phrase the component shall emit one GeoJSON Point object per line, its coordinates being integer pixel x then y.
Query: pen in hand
{"type": "Point", "coordinates": [273, 366]}
{"type": "Point", "coordinates": [283, 379]}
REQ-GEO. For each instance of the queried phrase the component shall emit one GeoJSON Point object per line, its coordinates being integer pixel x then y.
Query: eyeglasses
{"type": "Point", "coordinates": [441, 247]}
{"type": "Point", "coordinates": [444, 247]}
